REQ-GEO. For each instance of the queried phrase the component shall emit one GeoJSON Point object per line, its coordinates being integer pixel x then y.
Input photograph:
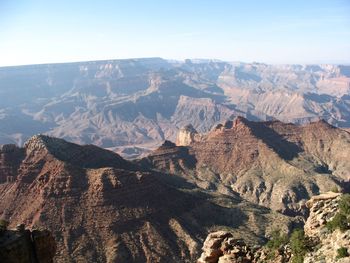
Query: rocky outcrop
{"type": "Point", "coordinates": [25, 246]}
{"type": "Point", "coordinates": [322, 244]}
{"type": "Point", "coordinates": [187, 135]}
{"type": "Point", "coordinates": [323, 208]}
{"type": "Point", "coordinates": [222, 247]}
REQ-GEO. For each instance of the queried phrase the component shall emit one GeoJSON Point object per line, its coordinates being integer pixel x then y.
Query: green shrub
{"type": "Point", "coordinates": [277, 240]}
{"type": "Point", "coordinates": [341, 220]}
{"type": "Point", "coordinates": [342, 252]}
{"type": "Point", "coordinates": [344, 204]}
{"type": "Point", "coordinates": [298, 244]}
{"type": "Point", "coordinates": [335, 189]}
{"type": "Point", "coordinates": [298, 259]}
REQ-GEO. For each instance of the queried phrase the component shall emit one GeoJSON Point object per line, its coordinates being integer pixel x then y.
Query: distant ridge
{"type": "Point", "coordinates": [132, 105]}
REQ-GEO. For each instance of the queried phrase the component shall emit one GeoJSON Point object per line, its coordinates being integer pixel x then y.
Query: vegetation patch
{"type": "Point", "coordinates": [277, 240]}
{"type": "Point", "coordinates": [298, 242]}
{"type": "Point", "coordinates": [342, 252]}
{"type": "Point", "coordinates": [300, 245]}
{"type": "Point", "coordinates": [341, 220]}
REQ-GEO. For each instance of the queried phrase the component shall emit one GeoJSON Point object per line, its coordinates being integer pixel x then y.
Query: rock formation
{"type": "Point", "coordinates": [274, 164]}
{"type": "Point", "coordinates": [24, 246]}
{"type": "Point", "coordinates": [323, 208]}
{"type": "Point", "coordinates": [186, 136]}
{"type": "Point", "coordinates": [102, 208]}
{"type": "Point", "coordinates": [222, 247]}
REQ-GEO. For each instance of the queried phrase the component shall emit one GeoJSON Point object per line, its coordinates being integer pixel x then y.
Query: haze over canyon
{"type": "Point", "coordinates": [133, 105]}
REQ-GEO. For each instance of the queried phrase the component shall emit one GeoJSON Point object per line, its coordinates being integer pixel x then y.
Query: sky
{"type": "Point", "coordinates": [269, 31]}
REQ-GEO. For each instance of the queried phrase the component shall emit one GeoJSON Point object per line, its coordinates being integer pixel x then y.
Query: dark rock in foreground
{"type": "Point", "coordinates": [25, 246]}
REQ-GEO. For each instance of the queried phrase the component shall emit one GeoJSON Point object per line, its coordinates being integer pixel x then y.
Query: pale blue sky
{"type": "Point", "coordinates": [283, 31]}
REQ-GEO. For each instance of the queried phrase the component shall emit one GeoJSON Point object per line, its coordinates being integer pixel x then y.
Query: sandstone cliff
{"type": "Point", "coordinates": [187, 135]}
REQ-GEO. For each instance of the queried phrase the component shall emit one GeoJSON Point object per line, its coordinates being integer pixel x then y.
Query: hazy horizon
{"type": "Point", "coordinates": [271, 32]}
{"type": "Point", "coordinates": [174, 60]}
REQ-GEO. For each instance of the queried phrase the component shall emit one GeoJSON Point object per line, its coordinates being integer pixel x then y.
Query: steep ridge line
{"type": "Point", "coordinates": [271, 163]}
{"type": "Point", "coordinates": [100, 213]}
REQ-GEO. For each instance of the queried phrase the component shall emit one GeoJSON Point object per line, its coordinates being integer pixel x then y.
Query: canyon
{"type": "Point", "coordinates": [146, 160]}
{"type": "Point", "coordinates": [238, 177]}
{"type": "Point", "coordinates": [102, 208]}
{"type": "Point", "coordinates": [131, 106]}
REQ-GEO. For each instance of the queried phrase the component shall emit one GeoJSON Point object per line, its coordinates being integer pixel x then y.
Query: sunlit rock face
{"type": "Point", "coordinates": [274, 164]}
{"type": "Point", "coordinates": [187, 135]}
